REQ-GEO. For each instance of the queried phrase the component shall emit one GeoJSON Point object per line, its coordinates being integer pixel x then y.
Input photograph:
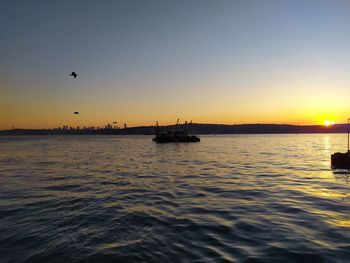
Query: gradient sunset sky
{"type": "Point", "coordinates": [145, 61]}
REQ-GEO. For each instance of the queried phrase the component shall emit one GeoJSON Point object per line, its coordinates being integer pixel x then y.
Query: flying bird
{"type": "Point", "coordinates": [73, 74]}
{"type": "Point", "coordinates": [76, 112]}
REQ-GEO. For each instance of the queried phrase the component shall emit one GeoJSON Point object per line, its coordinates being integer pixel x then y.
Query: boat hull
{"type": "Point", "coordinates": [175, 139]}
{"type": "Point", "coordinates": [340, 160]}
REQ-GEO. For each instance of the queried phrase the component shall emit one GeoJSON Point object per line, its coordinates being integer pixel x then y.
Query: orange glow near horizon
{"type": "Point", "coordinates": [49, 111]}
{"type": "Point", "coordinates": [42, 119]}
{"type": "Point", "coordinates": [224, 104]}
{"type": "Point", "coordinates": [225, 107]}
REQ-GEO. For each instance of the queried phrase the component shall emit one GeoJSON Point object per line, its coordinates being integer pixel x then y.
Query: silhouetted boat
{"type": "Point", "coordinates": [177, 135]}
{"type": "Point", "coordinates": [341, 160]}
{"type": "Point", "coordinates": [174, 136]}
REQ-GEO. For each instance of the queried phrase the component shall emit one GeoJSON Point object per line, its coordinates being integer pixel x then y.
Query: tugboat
{"type": "Point", "coordinates": [341, 160]}
{"type": "Point", "coordinates": [174, 136]}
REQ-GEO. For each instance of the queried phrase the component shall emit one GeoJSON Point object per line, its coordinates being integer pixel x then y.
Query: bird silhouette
{"type": "Point", "coordinates": [76, 112]}
{"type": "Point", "coordinates": [73, 74]}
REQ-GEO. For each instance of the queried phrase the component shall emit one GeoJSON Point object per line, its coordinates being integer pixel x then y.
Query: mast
{"type": "Point", "coordinates": [157, 127]}
{"type": "Point", "coordinates": [177, 125]}
{"type": "Point", "coordinates": [348, 134]}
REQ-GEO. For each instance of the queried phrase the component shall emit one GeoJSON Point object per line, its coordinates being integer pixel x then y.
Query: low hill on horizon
{"type": "Point", "coordinates": [195, 128]}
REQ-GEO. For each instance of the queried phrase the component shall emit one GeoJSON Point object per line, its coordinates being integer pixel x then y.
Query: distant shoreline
{"type": "Point", "coordinates": [195, 128]}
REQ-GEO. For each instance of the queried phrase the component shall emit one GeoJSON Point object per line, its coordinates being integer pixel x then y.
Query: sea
{"type": "Point", "coordinates": [228, 198]}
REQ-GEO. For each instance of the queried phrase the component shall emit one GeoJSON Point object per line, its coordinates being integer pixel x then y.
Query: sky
{"type": "Point", "coordinates": [145, 61]}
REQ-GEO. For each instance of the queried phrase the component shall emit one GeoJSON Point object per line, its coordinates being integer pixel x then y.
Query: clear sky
{"type": "Point", "coordinates": [145, 61]}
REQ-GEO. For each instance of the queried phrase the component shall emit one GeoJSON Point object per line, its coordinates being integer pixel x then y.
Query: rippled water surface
{"type": "Point", "coordinates": [236, 198]}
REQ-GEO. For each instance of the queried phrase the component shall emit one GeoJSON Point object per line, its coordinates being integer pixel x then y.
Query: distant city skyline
{"type": "Point", "coordinates": [139, 62]}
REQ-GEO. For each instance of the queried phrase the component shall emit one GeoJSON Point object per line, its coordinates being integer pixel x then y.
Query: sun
{"type": "Point", "coordinates": [328, 123]}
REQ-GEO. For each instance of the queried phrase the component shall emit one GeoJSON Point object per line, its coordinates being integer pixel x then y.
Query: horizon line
{"type": "Point", "coordinates": [193, 123]}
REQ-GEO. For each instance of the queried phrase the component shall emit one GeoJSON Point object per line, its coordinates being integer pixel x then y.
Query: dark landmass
{"type": "Point", "coordinates": [192, 128]}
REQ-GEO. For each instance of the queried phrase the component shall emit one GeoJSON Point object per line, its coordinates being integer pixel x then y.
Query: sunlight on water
{"type": "Point", "coordinates": [234, 198]}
